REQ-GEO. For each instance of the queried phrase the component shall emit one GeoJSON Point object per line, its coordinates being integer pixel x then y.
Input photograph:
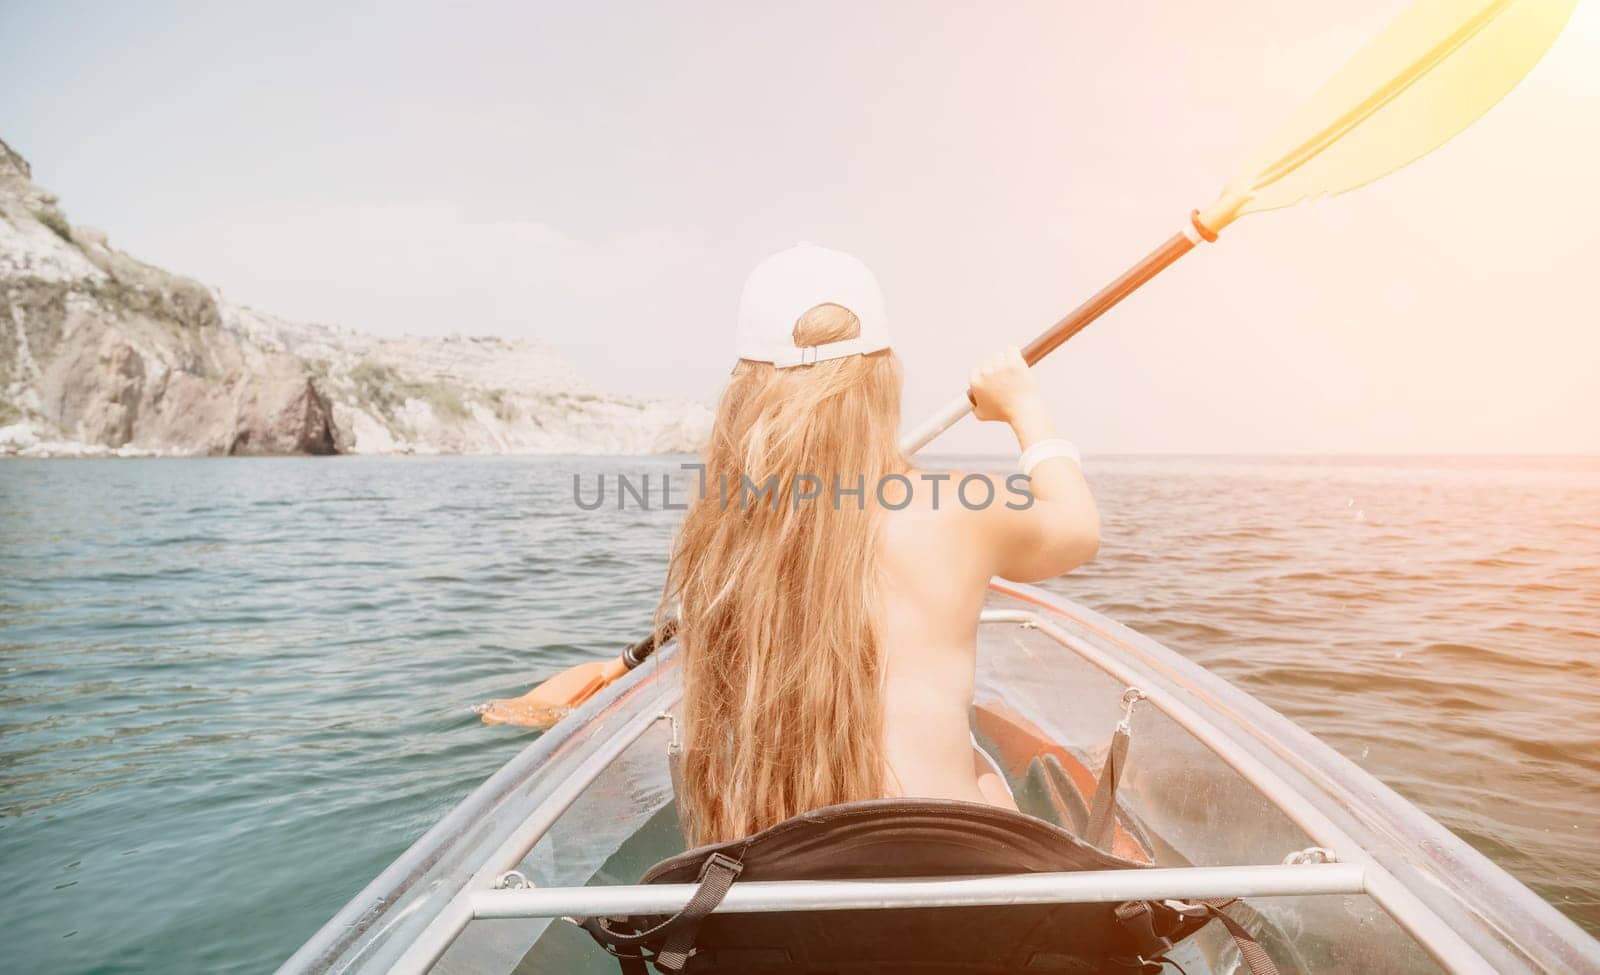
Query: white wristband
{"type": "Point", "coordinates": [1045, 450]}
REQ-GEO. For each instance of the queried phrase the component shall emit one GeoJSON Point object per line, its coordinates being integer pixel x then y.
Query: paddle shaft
{"type": "Point", "coordinates": [1045, 343]}
{"type": "Point", "coordinates": [1103, 300]}
{"type": "Point", "coordinates": [1051, 338]}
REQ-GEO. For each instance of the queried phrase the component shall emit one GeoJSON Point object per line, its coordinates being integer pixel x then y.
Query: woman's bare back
{"type": "Point", "coordinates": [932, 591]}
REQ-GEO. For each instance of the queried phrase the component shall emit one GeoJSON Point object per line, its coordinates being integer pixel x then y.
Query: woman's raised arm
{"type": "Point", "coordinates": [1060, 529]}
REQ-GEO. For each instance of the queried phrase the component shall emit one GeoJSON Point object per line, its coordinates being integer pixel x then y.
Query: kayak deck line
{"type": "Point", "coordinates": [1090, 886]}
{"type": "Point", "coordinates": [1386, 852]}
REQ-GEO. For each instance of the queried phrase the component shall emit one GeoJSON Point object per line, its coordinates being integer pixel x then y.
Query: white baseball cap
{"type": "Point", "coordinates": [790, 283]}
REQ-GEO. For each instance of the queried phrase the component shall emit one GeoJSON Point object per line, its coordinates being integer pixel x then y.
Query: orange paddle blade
{"type": "Point", "coordinates": [552, 700]}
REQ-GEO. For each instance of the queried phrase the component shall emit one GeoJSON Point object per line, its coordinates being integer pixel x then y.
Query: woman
{"type": "Point", "coordinates": [828, 628]}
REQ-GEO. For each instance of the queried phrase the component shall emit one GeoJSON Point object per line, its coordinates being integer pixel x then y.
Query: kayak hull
{"type": "Point", "coordinates": [1214, 780]}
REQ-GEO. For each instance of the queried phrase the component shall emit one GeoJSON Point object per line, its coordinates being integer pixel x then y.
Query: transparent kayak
{"type": "Point", "coordinates": [1226, 797]}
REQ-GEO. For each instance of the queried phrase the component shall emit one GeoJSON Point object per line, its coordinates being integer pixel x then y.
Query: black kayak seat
{"type": "Point", "coordinates": [895, 839]}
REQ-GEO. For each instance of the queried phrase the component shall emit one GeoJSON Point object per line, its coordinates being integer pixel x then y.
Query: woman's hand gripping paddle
{"type": "Point", "coordinates": [1430, 74]}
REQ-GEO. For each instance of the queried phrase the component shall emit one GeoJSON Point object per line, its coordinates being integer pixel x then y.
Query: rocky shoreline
{"type": "Point", "coordinates": [102, 355]}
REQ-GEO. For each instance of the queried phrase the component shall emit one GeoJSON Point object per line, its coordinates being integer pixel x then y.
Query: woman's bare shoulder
{"type": "Point", "coordinates": [936, 507]}
{"type": "Point", "coordinates": [961, 493]}
{"type": "Point", "coordinates": [938, 544]}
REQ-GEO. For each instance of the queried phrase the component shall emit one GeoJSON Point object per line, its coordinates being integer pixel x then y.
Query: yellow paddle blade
{"type": "Point", "coordinates": [1430, 74]}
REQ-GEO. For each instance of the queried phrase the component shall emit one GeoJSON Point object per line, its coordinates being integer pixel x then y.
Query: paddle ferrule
{"type": "Point", "coordinates": [1197, 231]}
{"type": "Point", "coordinates": [639, 652]}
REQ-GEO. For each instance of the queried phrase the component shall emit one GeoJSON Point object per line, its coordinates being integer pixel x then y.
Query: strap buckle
{"type": "Point", "coordinates": [1187, 908]}
{"type": "Point", "coordinates": [722, 862]}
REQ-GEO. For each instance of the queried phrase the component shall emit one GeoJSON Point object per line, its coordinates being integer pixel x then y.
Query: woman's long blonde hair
{"type": "Point", "coordinates": [777, 603]}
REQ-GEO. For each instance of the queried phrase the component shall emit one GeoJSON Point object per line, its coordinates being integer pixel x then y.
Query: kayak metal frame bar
{"type": "Point", "coordinates": [1089, 886]}
{"type": "Point", "coordinates": [1354, 872]}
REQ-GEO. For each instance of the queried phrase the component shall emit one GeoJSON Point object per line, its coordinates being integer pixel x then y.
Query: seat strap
{"type": "Point", "coordinates": [1101, 828]}
{"type": "Point", "coordinates": [716, 879]}
{"type": "Point", "coordinates": [676, 933]}
{"type": "Point", "coordinates": [1254, 956]}
{"type": "Point", "coordinates": [1141, 919]}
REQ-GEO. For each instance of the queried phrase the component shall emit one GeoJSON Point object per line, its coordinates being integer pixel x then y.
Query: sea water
{"type": "Point", "coordinates": [232, 690]}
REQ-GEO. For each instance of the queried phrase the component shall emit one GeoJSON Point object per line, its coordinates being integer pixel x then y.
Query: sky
{"type": "Point", "coordinates": [602, 176]}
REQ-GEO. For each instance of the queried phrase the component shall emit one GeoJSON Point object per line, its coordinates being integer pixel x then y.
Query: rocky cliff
{"type": "Point", "coordinates": [103, 354]}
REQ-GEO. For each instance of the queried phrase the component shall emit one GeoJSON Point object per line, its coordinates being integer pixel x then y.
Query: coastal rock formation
{"type": "Point", "coordinates": [101, 354]}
